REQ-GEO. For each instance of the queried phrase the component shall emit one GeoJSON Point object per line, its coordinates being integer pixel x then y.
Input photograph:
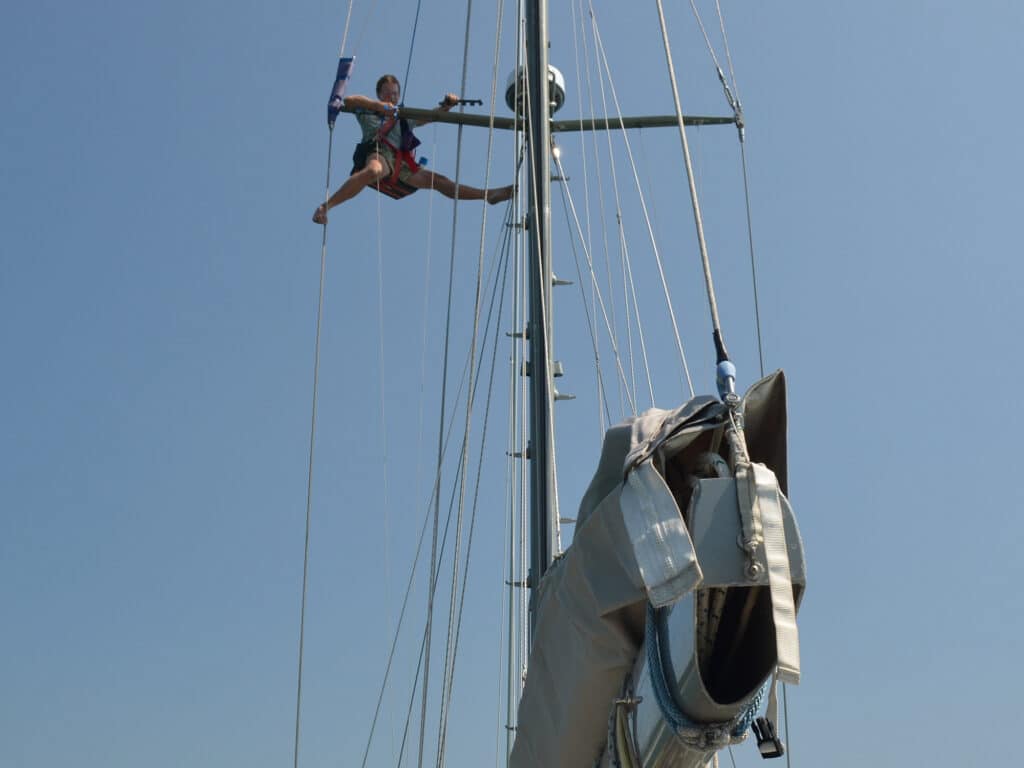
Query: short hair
{"type": "Point", "coordinates": [387, 80]}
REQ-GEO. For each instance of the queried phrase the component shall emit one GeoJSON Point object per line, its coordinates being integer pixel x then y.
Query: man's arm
{"type": "Point", "coordinates": [449, 101]}
{"type": "Point", "coordinates": [355, 101]}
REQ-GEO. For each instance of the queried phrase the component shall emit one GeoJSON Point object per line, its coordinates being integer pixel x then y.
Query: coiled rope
{"type": "Point", "coordinates": [701, 736]}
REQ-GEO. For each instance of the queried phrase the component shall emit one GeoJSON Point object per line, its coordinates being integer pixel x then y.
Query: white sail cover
{"type": "Point", "coordinates": [630, 547]}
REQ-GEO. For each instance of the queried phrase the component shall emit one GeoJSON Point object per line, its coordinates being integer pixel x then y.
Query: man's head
{"type": "Point", "coordinates": [388, 89]}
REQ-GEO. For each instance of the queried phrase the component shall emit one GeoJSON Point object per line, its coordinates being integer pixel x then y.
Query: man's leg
{"type": "Point", "coordinates": [354, 184]}
{"type": "Point", "coordinates": [424, 179]}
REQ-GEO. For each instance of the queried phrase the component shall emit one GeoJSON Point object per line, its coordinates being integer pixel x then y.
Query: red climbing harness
{"type": "Point", "coordinates": [393, 186]}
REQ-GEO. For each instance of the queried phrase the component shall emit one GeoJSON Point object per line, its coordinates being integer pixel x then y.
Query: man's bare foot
{"type": "Point", "coordinates": [320, 215]}
{"type": "Point", "coordinates": [499, 195]}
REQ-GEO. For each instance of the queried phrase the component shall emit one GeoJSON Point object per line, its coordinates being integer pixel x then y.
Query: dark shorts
{"type": "Point", "coordinates": [385, 155]}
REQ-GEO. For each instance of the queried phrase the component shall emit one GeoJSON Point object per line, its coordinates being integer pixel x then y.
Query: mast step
{"type": "Point", "coordinates": [556, 369]}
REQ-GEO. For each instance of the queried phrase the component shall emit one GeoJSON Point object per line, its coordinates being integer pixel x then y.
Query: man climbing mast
{"type": "Point", "coordinates": [384, 157]}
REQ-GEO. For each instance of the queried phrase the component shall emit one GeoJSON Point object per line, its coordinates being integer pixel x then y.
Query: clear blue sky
{"type": "Point", "coordinates": [158, 282]}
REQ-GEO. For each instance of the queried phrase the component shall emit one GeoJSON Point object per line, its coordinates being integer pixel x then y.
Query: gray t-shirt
{"type": "Point", "coordinates": [371, 122]}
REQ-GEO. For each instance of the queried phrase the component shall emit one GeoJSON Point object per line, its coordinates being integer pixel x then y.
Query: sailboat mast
{"type": "Point", "coordinates": [543, 504]}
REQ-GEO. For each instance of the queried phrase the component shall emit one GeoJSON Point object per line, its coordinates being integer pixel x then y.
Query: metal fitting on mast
{"type": "Point", "coordinates": [515, 90]}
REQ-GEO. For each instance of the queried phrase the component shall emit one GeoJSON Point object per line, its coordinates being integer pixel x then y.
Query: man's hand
{"type": "Point", "coordinates": [449, 101]}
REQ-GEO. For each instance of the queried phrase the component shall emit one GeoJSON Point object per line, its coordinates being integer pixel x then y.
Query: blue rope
{"type": "Point", "coordinates": [747, 719]}
{"type": "Point", "coordinates": [659, 665]}
{"type": "Point", "coordinates": [666, 701]}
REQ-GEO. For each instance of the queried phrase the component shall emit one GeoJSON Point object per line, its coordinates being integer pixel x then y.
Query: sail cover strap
{"type": "Point", "coordinates": [772, 710]}
{"type": "Point", "coordinates": [661, 544]}
{"type": "Point", "coordinates": [764, 506]}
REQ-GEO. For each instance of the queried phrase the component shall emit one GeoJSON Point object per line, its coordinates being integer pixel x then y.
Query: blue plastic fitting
{"type": "Point", "coordinates": [725, 378]}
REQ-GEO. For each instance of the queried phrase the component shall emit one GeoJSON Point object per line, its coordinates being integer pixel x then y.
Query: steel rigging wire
{"type": "Point", "coordinates": [334, 106]}
{"type": "Point", "coordinates": [732, 96]}
{"type": "Point", "coordinates": [643, 203]}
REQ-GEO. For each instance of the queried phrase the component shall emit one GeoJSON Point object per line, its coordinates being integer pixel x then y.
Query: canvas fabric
{"type": "Point", "coordinates": [591, 604]}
